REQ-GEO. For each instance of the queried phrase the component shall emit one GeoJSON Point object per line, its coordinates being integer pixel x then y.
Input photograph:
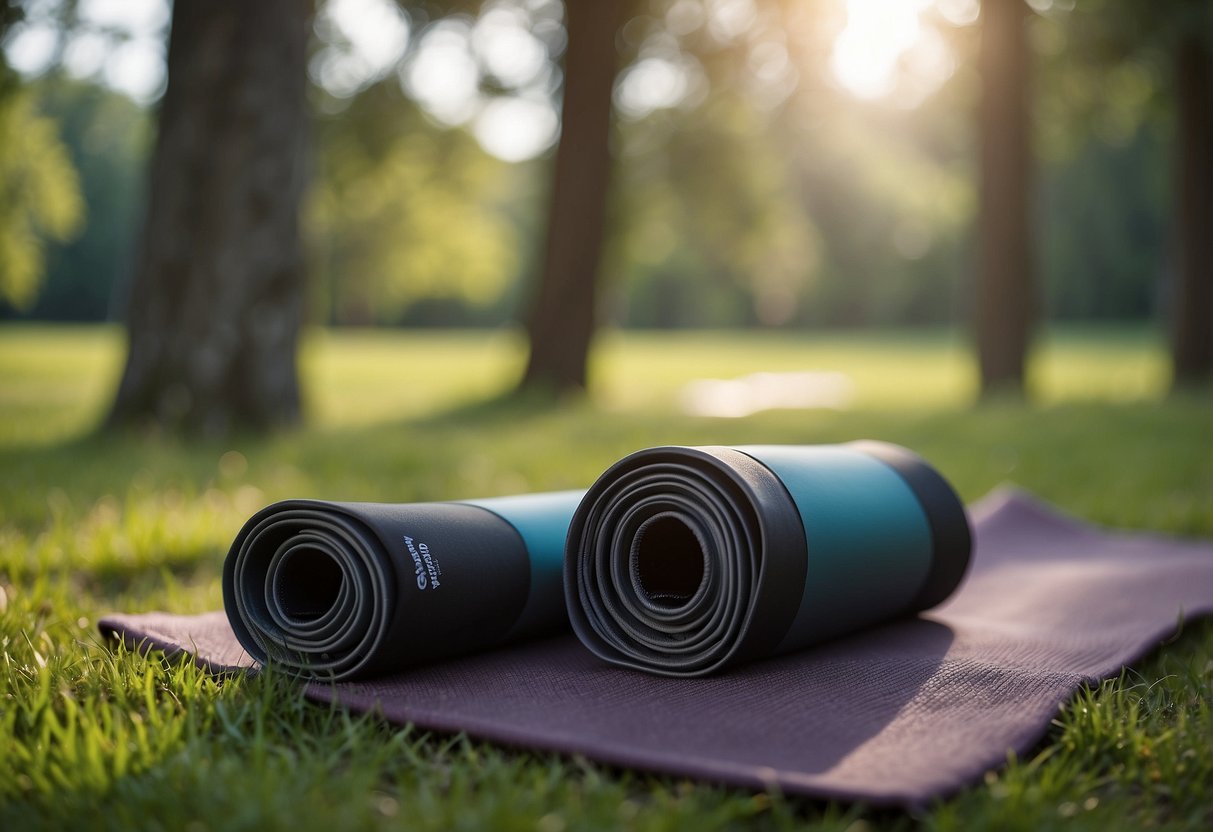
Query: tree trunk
{"type": "Point", "coordinates": [562, 318]}
{"type": "Point", "coordinates": [1005, 294]}
{"type": "Point", "coordinates": [1192, 346]}
{"type": "Point", "coordinates": [216, 303]}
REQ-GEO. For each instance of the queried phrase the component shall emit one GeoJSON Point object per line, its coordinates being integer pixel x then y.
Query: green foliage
{"type": "Point", "coordinates": [730, 246]}
{"type": "Point", "coordinates": [401, 210]}
{"type": "Point", "coordinates": [768, 201]}
{"type": "Point", "coordinates": [1102, 235]}
{"type": "Point", "coordinates": [106, 739]}
{"type": "Point", "coordinates": [1104, 123]}
{"type": "Point", "coordinates": [1099, 77]}
{"type": "Point", "coordinates": [893, 196]}
{"type": "Point", "coordinates": [40, 196]}
{"type": "Point", "coordinates": [751, 202]}
{"type": "Point", "coordinates": [108, 139]}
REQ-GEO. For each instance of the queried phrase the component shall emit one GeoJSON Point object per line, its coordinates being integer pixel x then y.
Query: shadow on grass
{"type": "Point", "coordinates": [180, 566]}
{"type": "Point", "coordinates": [508, 407]}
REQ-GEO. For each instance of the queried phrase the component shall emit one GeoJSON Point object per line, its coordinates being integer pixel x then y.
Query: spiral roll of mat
{"type": "Point", "coordinates": [345, 590]}
{"type": "Point", "coordinates": [682, 561]}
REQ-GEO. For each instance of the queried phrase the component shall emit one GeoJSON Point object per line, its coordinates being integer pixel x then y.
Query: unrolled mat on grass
{"type": "Point", "coordinates": [898, 714]}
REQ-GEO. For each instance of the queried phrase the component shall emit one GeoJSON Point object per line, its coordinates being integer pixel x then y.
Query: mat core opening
{"type": "Point", "coordinates": [314, 578]}
{"type": "Point", "coordinates": [668, 561]}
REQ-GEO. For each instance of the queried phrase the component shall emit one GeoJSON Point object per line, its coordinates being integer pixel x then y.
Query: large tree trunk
{"type": "Point", "coordinates": [1192, 347]}
{"type": "Point", "coordinates": [562, 318]}
{"type": "Point", "coordinates": [1005, 302]}
{"type": "Point", "coordinates": [216, 302]}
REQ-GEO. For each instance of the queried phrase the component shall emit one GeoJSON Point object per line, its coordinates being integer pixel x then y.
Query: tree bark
{"type": "Point", "coordinates": [1005, 302]}
{"type": "Point", "coordinates": [1192, 344]}
{"type": "Point", "coordinates": [216, 302]}
{"type": "Point", "coordinates": [562, 318]}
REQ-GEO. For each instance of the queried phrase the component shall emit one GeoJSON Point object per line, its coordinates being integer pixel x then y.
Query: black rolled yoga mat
{"type": "Point", "coordinates": [683, 561]}
{"type": "Point", "coordinates": [345, 590]}
{"type": "Point", "coordinates": [898, 714]}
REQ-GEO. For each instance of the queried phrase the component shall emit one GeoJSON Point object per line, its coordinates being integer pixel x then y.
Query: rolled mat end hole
{"type": "Point", "coordinates": [668, 561]}
{"type": "Point", "coordinates": [308, 581]}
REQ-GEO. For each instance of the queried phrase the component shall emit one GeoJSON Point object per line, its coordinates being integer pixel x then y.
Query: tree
{"type": "Point", "coordinates": [1192, 345]}
{"type": "Point", "coordinates": [1178, 34]}
{"type": "Point", "coordinates": [562, 317]}
{"type": "Point", "coordinates": [217, 297]}
{"type": "Point", "coordinates": [1005, 302]}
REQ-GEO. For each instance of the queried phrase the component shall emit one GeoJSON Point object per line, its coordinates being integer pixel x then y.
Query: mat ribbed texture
{"type": "Point", "coordinates": [897, 715]}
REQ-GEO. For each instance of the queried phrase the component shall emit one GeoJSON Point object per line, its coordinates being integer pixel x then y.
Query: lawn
{"type": "Point", "coordinates": [89, 523]}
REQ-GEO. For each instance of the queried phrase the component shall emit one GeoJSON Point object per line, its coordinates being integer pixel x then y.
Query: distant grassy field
{"type": "Point", "coordinates": [92, 523]}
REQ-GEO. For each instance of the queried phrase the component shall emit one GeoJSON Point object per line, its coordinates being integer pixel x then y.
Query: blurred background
{"type": "Point", "coordinates": [405, 250]}
{"type": "Point", "coordinates": [979, 176]}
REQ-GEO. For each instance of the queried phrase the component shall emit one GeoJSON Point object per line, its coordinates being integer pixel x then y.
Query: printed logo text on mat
{"type": "Point", "coordinates": [426, 568]}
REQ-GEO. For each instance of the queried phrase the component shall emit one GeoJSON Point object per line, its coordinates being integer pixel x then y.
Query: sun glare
{"type": "Point", "coordinates": [868, 50]}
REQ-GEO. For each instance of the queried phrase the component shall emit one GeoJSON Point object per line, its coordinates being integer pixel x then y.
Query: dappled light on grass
{"type": "Point", "coordinates": [906, 370]}
{"type": "Point", "coordinates": [362, 377]}
{"type": "Point", "coordinates": [739, 397]}
{"type": "Point", "coordinates": [1096, 364]}
{"type": "Point", "coordinates": [55, 382]}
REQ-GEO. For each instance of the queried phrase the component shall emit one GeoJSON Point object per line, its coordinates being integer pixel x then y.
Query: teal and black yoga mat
{"type": "Point", "coordinates": [348, 590]}
{"type": "Point", "coordinates": [683, 561]}
{"type": "Point", "coordinates": [902, 713]}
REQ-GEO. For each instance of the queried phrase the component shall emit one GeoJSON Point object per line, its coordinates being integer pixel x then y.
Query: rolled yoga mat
{"type": "Point", "coordinates": [900, 713]}
{"type": "Point", "coordinates": [682, 561]}
{"type": "Point", "coordinates": [347, 590]}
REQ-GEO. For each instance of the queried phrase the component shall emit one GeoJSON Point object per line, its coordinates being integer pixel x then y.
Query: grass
{"type": "Point", "coordinates": [91, 737]}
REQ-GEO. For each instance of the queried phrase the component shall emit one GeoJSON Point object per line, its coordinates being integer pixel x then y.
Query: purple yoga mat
{"type": "Point", "coordinates": [897, 715]}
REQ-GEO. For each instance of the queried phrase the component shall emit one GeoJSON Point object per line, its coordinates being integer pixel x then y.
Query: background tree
{"type": "Point", "coordinates": [1192, 343]}
{"type": "Point", "coordinates": [1005, 294]}
{"type": "Point", "coordinates": [759, 187]}
{"type": "Point", "coordinates": [561, 321]}
{"type": "Point", "coordinates": [1167, 48]}
{"type": "Point", "coordinates": [217, 299]}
